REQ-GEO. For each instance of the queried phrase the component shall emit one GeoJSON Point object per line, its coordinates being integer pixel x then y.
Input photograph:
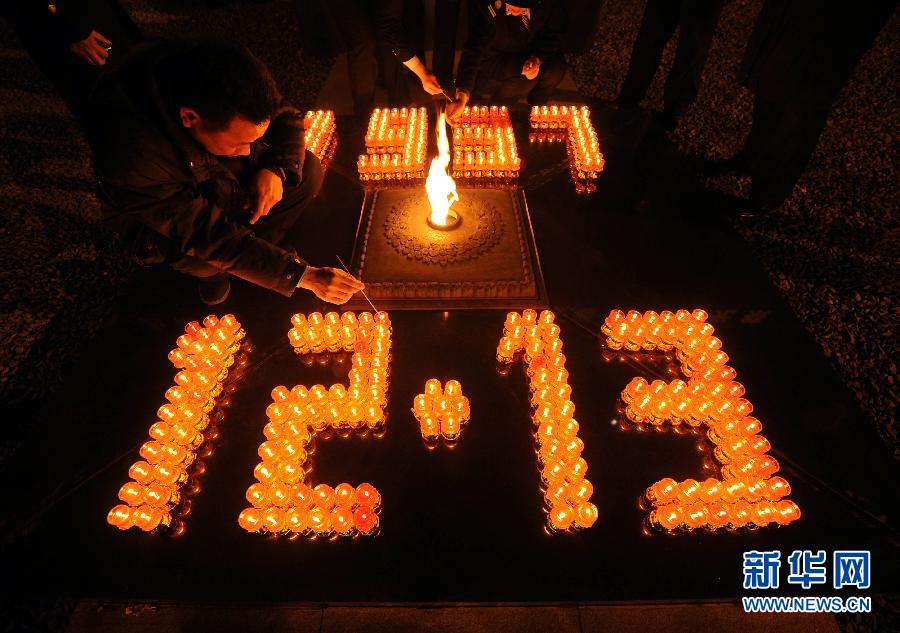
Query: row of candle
{"type": "Point", "coordinates": [320, 132]}
{"type": "Point", "coordinates": [396, 144]}
{"type": "Point", "coordinates": [714, 516]}
{"type": "Point", "coordinates": [485, 164]}
{"type": "Point", "coordinates": [281, 501]}
{"type": "Point", "coordinates": [442, 410]}
{"type": "Point", "coordinates": [694, 402]}
{"type": "Point", "coordinates": [712, 397]}
{"type": "Point", "coordinates": [484, 115]}
{"type": "Point", "coordinates": [334, 332]}
{"type": "Point", "coordinates": [668, 491]}
{"type": "Point", "coordinates": [389, 167]}
{"type": "Point", "coordinates": [319, 511]}
{"type": "Point", "coordinates": [688, 333]}
{"type": "Point", "coordinates": [203, 355]}
{"type": "Point", "coordinates": [567, 492]}
{"type": "Point", "coordinates": [551, 117]}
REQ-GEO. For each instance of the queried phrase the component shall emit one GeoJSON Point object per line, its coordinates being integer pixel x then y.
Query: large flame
{"type": "Point", "coordinates": [441, 188]}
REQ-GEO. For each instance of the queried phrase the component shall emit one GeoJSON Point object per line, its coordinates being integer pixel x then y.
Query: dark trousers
{"type": "Point", "coordinates": [276, 224]}
{"type": "Point", "coordinates": [355, 21]}
{"type": "Point", "coordinates": [696, 23]}
{"type": "Point", "coordinates": [500, 78]}
{"type": "Point", "coordinates": [781, 140]}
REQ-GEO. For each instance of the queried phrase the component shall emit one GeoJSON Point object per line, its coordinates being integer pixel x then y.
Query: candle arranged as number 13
{"type": "Point", "coordinates": [283, 501]}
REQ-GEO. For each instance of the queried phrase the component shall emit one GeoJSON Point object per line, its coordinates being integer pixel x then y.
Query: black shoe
{"type": "Point", "coordinates": [214, 290]}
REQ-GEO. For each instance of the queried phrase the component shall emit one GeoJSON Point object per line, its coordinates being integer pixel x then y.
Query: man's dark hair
{"type": "Point", "coordinates": [220, 81]}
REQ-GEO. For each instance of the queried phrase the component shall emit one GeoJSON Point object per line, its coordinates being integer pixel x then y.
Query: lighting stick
{"type": "Point", "coordinates": [374, 309]}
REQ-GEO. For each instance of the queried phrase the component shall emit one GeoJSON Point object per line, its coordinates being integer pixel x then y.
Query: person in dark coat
{"type": "Point", "coordinates": [400, 27]}
{"type": "Point", "coordinates": [72, 41]}
{"type": "Point", "coordinates": [696, 22]}
{"type": "Point", "coordinates": [799, 56]}
{"type": "Point", "coordinates": [354, 20]}
{"type": "Point", "coordinates": [514, 50]}
{"type": "Point", "coordinates": [201, 164]}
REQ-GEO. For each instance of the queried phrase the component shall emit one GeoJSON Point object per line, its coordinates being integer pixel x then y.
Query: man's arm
{"type": "Point", "coordinates": [198, 228]}
{"type": "Point", "coordinates": [389, 28]}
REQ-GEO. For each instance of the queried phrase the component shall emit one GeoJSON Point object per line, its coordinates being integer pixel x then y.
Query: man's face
{"type": "Point", "coordinates": [234, 140]}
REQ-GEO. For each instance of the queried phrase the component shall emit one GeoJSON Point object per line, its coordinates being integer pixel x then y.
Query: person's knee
{"type": "Point", "coordinates": [313, 175]}
{"type": "Point", "coordinates": [295, 198]}
{"type": "Point", "coordinates": [552, 71]}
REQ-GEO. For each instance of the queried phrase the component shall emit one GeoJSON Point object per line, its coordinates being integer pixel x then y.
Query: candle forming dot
{"type": "Point", "coordinates": [442, 410]}
{"type": "Point", "coordinates": [203, 356]}
{"type": "Point", "coordinates": [295, 415]}
{"type": "Point", "coordinates": [747, 492]}
{"type": "Point", "coordinates": [571, 123]}
{"type": "Point", "coordinates": [535, 338]}
{"type": "Point", "coordinates": [396, 146]}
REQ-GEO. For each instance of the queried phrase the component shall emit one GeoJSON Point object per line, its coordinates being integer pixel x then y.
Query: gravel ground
{"type": "Point", "coordinates": [831, 247]}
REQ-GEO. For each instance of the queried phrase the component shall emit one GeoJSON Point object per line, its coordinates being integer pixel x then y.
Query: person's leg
{"type": "Point", "coordinates": [657, 26]}
{"type": "Point", "coordinates": [766, 116]}
{"type": "Point", "coordinates": [696, 26]}
{"type": "Point", "coordinates": [501, 77]}
{"type": "Point", "coordinates": [194, 267]}
{"type": "Point", "coordinates": [353, 21]}
{"type": "Point", "coordinates": [214, 284]}
{"type": "Point", "coordinates": [285, 214]}
{"type": "Point", "coordinates": [782, 159]}
{"type": "Point", "coordinates": [552, 71]}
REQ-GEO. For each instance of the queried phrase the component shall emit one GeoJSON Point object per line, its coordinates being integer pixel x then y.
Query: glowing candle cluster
{"type": "Point", "coordinates": [202, 357]}
{"type": "Point", "coordinates": [282, 501]}
{"type": "Point", "coordinates": [566, 490]}
{"type": "Point", "coordinates": [747, 493]}
{"type": "Point", "coordinates": [442, 410]}
{"type": "Point", "coordinates": [552, 123]}
{"type": "Point", "coordinates": [396, 144]}
{"type": "Point", "coordinates": [484, 145]}
{"type": "Point", "coordinates": [320, 136]}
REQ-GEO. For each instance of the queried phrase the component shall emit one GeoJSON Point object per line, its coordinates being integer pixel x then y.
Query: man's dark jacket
{"type": "Point", "coordinates": [492, 32]}
{"type": "Point", "coordinates": [165, 194]}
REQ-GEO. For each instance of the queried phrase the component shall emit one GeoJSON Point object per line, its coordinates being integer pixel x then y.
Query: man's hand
{"type": "Point", "coordinates": [268, 190]}
{"type": "Point", "coordinates": [455, 109]}
{"type": "Point", "coordinates": [531, 68]}
{"type": "Point", "coordinates": [94, 49]}
{"type": "Point", "coordinates": [330, 284]}
{"type": "Point", "coordinates": [430, 83]}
